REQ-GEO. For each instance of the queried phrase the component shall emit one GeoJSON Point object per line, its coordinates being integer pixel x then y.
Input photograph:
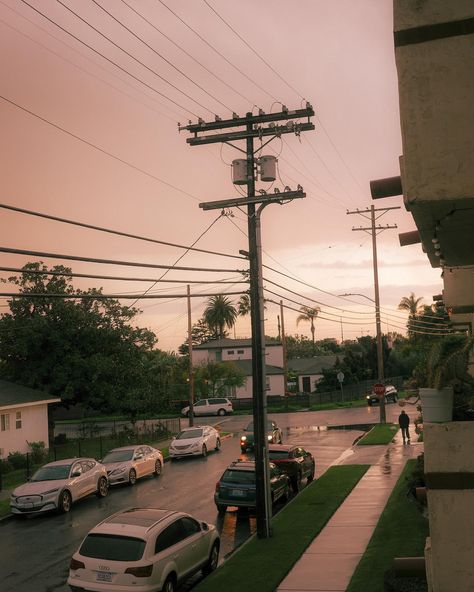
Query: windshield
{"type": "Point", "coordinates": [187, 434]}
{"type": "Point", "coordinates": [249, 428]}
{"type": "Point", "coordinates": [276, 454]}
{"type": "Point", "coordinates": [231, 476]}
{"type": "Point", "coordinates": [52, 473]}
{"type": "Point", "coordinates": [112, 547]}
{"type": "Point", "coordinates": [118, 456]}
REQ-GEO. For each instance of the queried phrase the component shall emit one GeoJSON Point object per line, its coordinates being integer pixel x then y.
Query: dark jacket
{"type": "Point", "coordinates": [403, 420]}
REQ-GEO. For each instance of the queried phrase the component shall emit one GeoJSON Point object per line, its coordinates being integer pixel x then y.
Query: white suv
{"type": "Point", "coordinates": [143, 549]}
{"type": "Point", "coordinates": [213, 406]}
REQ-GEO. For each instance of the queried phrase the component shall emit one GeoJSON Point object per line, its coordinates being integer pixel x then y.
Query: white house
{"type": "Point", "coordinates": [239, 351]}
{"type": "Point", "coordinates": [23, 417]}
{"type": "Point", "coordinates": [309, 371]}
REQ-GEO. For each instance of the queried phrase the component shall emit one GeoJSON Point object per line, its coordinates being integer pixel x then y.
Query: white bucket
{"type": "Point", "coordinates": [436, 405]}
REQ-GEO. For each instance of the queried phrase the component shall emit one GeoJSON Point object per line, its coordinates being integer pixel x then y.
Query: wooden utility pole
{"type": "Point", "coordinates": [373, 230]}
{"type": "Point", "coordinates": [191, 369]}
{"type": "Point", "coordinates": [283, 343]}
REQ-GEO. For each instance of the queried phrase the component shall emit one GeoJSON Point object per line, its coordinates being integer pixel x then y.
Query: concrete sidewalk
{"type": "Point", "coordinates": [330, 560]}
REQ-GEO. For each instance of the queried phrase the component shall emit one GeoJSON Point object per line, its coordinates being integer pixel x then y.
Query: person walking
{"type": "Point", "coordinates": [404, 422]}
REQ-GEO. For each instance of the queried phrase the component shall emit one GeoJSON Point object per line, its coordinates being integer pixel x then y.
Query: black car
{"type": "Point", "coordinates": [274, 435]}
{"type": "Point", "coordinates": [391, 396]}
{"type": "Point", "coordinates": [236, 487]}
{"type": "Point", "coordinates": [295, 461]}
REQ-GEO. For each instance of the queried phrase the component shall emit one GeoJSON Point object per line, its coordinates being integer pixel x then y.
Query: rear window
{"type": "Point", "coordinates": [231, 476]}
{"type": "Point", "coordinates": [218, 401]}
{"type": "Point", "coordinates": [112, 547]}
{"type": "Point", "coordinates": [276, 454]}
{"type": "Point", "coordinates": [249, 428]}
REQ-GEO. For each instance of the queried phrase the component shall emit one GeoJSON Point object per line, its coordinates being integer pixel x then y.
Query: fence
{"type": "Point", "coordinates": [87, 439]}
{"type": "Point", "coordinates": [352, 392]}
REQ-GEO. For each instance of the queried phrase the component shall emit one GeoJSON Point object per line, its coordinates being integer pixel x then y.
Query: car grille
{"type": "Point", "coordinates": [185, 447]}
{"type": "Point", "coordinates": [29, 499]}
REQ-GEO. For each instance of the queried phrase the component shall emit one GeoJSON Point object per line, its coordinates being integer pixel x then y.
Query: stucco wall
{"type": "Point", "coordinates": [275, 382]}
{"type": "Point", "coordinates": [34, 428]}
{"type": "Point", "coordinates": [449, 449]}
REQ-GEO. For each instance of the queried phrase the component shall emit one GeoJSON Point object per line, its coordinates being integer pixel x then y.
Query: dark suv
{"type": "Point", "coordinates": [236, 487]}
{"type": "Point", "coordinates": [274, 435]}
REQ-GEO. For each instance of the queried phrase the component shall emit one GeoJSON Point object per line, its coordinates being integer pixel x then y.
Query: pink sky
{"type": "Point", "coordinates": [338, 55]}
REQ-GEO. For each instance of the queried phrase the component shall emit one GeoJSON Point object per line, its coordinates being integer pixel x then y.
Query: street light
{"type": "Point", "coordinates": [379, 348]}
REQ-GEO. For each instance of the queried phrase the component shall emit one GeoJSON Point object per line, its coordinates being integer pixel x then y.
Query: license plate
{"type": "Point", "coordinates": [238, 492]}
{"type": "Point", "coordinates": [103, 576]}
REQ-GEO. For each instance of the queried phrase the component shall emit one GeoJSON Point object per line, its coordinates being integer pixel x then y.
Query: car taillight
{"type": "Point", "coordinates": [144, 571]}
{"type": "Point", "coordinates": [218, 486]}
{"type": "Point", "coordinates": [75, 564]}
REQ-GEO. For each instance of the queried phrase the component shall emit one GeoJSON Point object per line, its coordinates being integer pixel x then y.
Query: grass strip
{"type": "Point", "coordinates": [379, 434]}
{"type": "Point", "coordinates": [261, 564]}
{"type": "Point", "coordinates": [400, 532]}
{"type": "Point", "coordinates": [4, 508]}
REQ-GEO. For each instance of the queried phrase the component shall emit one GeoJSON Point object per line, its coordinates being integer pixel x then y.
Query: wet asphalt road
{"type": "Point", "coordinates": [35, 551]}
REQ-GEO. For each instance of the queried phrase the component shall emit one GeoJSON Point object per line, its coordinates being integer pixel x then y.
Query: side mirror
{"type": "Point", "coordinates": [138, 457]}
{"type": "Point", "coordinates": [76, 474]}
{"type": "Point", "coordinates": [205, 526]}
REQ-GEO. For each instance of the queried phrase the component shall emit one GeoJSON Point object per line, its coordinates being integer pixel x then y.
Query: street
{"type": "Point", "coordinates": [36, 550]}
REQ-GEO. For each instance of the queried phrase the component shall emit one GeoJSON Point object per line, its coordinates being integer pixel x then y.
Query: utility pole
{"type": "Point", "coordinates": [191, 369]}
{"type": "Point", "coordinates": [374, 230]}
{"type": "Point", "coordinates": [255, 126]}
{"type": "Point", "coordinates": [283, 343]}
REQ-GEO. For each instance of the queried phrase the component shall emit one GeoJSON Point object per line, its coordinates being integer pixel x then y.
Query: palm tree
{"type": "Point", "coordinates": [413, 307]}
{"type": "Point", "coordinates": [219, 314]}
{"type": "Point", "coordinates": [244, 305]}
{"type": "Point", "coordinates": [308, 314]}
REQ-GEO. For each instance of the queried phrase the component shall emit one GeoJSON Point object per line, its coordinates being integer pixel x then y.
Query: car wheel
{"type": "Point", "coordinates": [286, 493]}
{"type": "Point", "coordinates": [158, 468]}
{"type": "Point", "coordinates": [65, 502]}
{"type": "Point", "coordinates": [204, 450]}
{"type": "Point", "coordinates": [297, 482]}
{"type": "Point", "coordinates": [221, 509]}
{"type": "Point", "coordinates": [311, 475]}
{"type": "Point", "coordinates": [213, 560]}
{"type": "Point", "coordinates": [170, 584]}
{"type": "Point", "coordinates": [218, 444]}
{"type": "Point", "coordinates": [132, 477]}
{"type": "Point", "coordinates": [221, 412]}
{"type": "Point", "coordinates": [102, 487]}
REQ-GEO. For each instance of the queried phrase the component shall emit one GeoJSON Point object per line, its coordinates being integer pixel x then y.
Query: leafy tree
{"type": "Point", "coordinates": [214, 378]}
{"type": "Point", "coordinates": [412, 305]}
{"type": "Point", "coordinates": [243, 306]}
{"type": "Point", "coordinates": [308, 314]}
{"type": "Point", "coordinates": [200, 333]}
{"type": "Point", "coordinates": [219, 314]}
{"type": "Point", "coordinates": [84, 350]}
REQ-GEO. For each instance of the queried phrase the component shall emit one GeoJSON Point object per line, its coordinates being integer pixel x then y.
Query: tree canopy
{"type": "Point", "coordinates": [219, 314]}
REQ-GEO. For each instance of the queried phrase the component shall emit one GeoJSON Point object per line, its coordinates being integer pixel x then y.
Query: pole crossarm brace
{"type": "Point", "coordinates": [274, 130]}
{"type": "Point", "coordinates": [379, 227]}
{"type": "Point", "coordinates": [259, 199]}
{"type": "Point", "coordinates": [203, 126]}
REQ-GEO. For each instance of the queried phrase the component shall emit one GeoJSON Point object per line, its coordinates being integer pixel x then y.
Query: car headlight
{"type": "Point", "coordinates": [119, 470]}
{"type": "Point", "coordinates": [50, 491]}
{"type": "Point", "coordinates": [243, 438]}
{"type": "Point", "coordinates": [367, 397]}
{"type": "Point", "coordinates": [269, 438]}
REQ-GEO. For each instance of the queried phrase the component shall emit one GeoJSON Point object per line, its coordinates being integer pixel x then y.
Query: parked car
{"type": "Point", "coordinates": [274, 435]}
{"type": "Point", "coordinates": [213, 406]}
{"type": "Point", "coordinates": [295, 461]}
{"type": "Point", "coordinates": [195, 441]}
{"type": "Point", "coordinates": [129, 463]}
{"type": "Point", "coordinates": [391, 396]}
{"type": "Point", "coordinates": [236, 487]}
{"type": "Point", "coordinates": [57, 485]}
{"type": "Point", "coordinates": [144, 549]}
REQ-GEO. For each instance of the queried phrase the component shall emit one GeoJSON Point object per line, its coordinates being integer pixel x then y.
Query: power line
{"type": "Point", "coordinates": [91, 145]}
{"type": "Point", "coordinates": [187, 53]}
{"type": "Point", "coordinates": [111, 261]}
{"type": "Point", "coordinates": [97, 296]}
{"type": "Point", "coordinates": [106, 58]}
{"type": "Point", "coordinates": [219, 53]}
{"type": "Point", "coordinates": [116, 232]}
{"type": "Point", "coordinates": [162, 57]}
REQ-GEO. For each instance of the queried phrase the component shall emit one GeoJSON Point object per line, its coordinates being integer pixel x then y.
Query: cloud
{"type": "Point", "coordinates": [363, 264]}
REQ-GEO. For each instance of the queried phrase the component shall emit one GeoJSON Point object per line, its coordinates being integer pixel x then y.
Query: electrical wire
{"type": "Point", "coordinates": [111, 261]}
{"type": "Point", "coordinates": [91, 145]}
{"type": "Point", "coordinates": [209, 71]}
{"type": "Point", "coordinates": [106, 58]}
{"type": "Point", "coordinates": [115, 232]}
{"type": "Point", "coordinates": [162, 57]}
{"type": "Point", "coordinates": [218, 52]}
{"type": "Point", "coordinates": [97, 296]}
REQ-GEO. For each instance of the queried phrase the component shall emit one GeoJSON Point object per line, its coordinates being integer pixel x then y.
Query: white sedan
{"type": "Point", "coordinates": [58, 484]}
{"type": "Point", "coordinates": [195, 441]}
{"type": "Point", "coordinates": [129, 463]}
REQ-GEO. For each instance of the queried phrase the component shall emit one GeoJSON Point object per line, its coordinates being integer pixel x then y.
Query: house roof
{"type": "Point", "coordinates": [220, 343]}
{"type": "Point", "coordinates": [311, 365]}
{"type": "Point", "coordinates": [12, 394]}
{"type": "Point", "coordinates": [246, 366]}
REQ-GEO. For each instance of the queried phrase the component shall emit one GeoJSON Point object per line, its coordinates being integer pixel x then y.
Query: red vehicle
{"type": "Point", "coordinates": [295, 461]}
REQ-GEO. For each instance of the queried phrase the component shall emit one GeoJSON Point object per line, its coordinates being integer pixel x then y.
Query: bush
{"type": "Point", "coordinates": [5, 466]}
{"type": "Point", "coordinates": [38, 452]}
{"type": "Point", "coordinates": [17, 460]}
{"type": "Point", "coordinates": [60, 439]}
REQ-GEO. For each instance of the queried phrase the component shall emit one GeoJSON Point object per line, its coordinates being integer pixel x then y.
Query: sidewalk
{"type": "Point", "coordinates": [328, 563]}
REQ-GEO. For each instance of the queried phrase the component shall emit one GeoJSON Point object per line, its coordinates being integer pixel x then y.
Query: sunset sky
{"type": "Point", "coordinates": [86, 140]}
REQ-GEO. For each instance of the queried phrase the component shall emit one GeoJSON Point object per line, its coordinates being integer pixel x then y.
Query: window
{"type": "Point", "coordinates": [230, 352]}
{"type": "Point", "coordinates": [170, 536]}
{"type": "Point", "coordinates": [190, 526]}
{"type": "Point", "coordinates": [240, 351]}
{"type": "Point", "coordinates": [113, 547]}
{"type": "Point", "coordinates": [4, 422]}
{"type": "Point", "coordinates": [18, 420]}
{"type": "Point", "coordinates": [201, 403]}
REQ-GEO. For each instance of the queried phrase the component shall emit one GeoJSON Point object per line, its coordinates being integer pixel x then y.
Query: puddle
{"type": "Point", "coordinates": [363, 427]}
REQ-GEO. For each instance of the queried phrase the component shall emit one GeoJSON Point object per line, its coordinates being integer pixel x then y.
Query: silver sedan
{"type": "Point", "coordinates": [129, 463]}
{"type": "Point", "coordinates": [57, 485]}
{"type": "Point", "coordinates": [195, 441]}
